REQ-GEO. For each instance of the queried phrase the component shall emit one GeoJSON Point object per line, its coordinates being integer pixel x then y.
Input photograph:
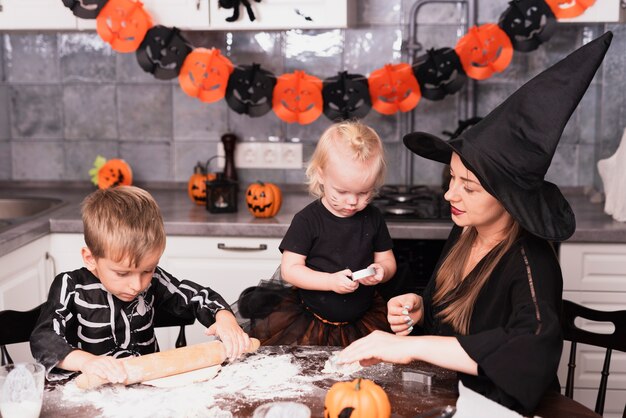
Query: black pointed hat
{"type": "Point", "coordinates": [511, 148]}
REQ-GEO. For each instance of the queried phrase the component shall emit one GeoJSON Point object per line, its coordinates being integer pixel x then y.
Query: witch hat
{"type": "Point", "coordinates": [510, 150]}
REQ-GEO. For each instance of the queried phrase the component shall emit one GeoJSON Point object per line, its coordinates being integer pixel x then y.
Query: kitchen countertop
{"type": "Point", "coordinates": [183, 217]}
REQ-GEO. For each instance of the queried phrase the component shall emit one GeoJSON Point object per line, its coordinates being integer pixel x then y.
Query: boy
{"type": "Point", "coordinates": [105, 310]}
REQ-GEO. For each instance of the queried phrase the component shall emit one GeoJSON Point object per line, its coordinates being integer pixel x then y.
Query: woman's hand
{"type": "Point", "coordinates": [379, 346]}
{"type": "Point", "coordinates": [235, 340]}
{"type": "Point", "coordinates": [403, 312]}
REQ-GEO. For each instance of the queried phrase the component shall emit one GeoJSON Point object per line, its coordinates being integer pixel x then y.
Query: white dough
{"type": "Point", "coordinates": [183, 379]}
{"type": "Point", "coordinates": [331, 366]}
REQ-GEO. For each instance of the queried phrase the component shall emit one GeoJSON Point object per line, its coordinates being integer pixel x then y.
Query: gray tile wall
{"type": "Point", "coordinates": [66, 97]}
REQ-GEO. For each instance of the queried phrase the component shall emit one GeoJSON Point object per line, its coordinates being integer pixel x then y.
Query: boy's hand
{"type": "Point", "coordinates": [340, 282]}
{"type": "Point", "coordinates": [105, 367]}
{"type": "Point", "coordinates": [403, 312]}
{"type": "Point", "coordinates": [376, 278]}
{"type": "Point", "coordinates": [235, 340]}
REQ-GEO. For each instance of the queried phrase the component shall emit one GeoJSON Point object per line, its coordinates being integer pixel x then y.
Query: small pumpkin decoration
{"type": "Point", "coordinates": [484, 50]}
{"type": "Point", "coordinates": [110, 173]}
{"type": "Point", "coordinates": [346, 96]}
{"type": "Point", "coordinates": [263, 199]}
{"type": "Point", "coordinates": [439, 72]}
{"type": "Point", "coordinates": [564, 9]}
{"type": "Point", "coordinates": [163, 51]}
{"type": "Point", "coordinates": [298, 98]}
{"type": "Point", "coordinates": [360, 398]}
{"type": "Point", "coordinates": [123, 24]}
{"type": "Point", "coordinates": [528, 23]}
{"type": "Point", "coordinates": [393, 88]}
{"type": "Point", "coordinates": [250, 90]}
{"type": "Point", "coordinates": [196, 186]}
{"type": "Point", "coordinates": [205, 74]}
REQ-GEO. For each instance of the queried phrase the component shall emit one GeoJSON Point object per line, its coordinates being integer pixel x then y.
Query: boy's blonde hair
{"type": "Point", "coordinates": [122, 223]}
{"type": "Point", "coordinates": [362, 140]}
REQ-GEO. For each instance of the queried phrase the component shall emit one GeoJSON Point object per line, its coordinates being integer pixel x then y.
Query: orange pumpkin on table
{"type": "Point", "coordinates": [263, 199]}
{"type": "Point", "coordinates": [110, 173]}
{"type": "Point", "coordinates": [196, 186]}
{"type": "Point", "coordinates": [360, 398]}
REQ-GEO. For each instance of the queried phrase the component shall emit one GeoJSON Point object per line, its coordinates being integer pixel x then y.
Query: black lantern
{"type": "Point", "coordinates": [221, 195]}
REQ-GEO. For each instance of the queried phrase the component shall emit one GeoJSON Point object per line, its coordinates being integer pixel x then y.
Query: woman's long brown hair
{"type": "Point", "coordinates": [450, 276]}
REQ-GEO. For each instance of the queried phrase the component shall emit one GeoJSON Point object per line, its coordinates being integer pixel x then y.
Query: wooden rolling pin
{"type": "Point", "coordinates": [167, 363]}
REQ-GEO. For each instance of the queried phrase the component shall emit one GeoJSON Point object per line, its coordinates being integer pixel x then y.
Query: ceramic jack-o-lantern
{"type": "Point", "coordinates": [110, 173]}
{"type": "Point", "coordinates": [484, 50]}
{"type": "Point", "coordinates": [85, 9]}
{"type": "Point", "coordinates": [528, 23]}
{"type": "Point", "coordinates": [564, 9]}
{"type": "Point", "coordinates": [250, 90]}
{"type": "Point", "coordinates": [123, 24]}
{"type": "Point", "coordinates": [393, 88]}
{"type": "Point", "coordinates": [162, 52]}
{"type": "Point", "coordinates": [298, 98]}
{"type": "Point", "coordinates": [346, 96]}
{"type": "Point", "coordinates": [439, 72]}
{"type": "Point", "coordinates": [205, 74]}
{"type": "Point", "coordinates": [263, 199]}
{"type": "Point", "coordinates": [360, 398]}
{"type": "Point", "coordinates": [196, 186]}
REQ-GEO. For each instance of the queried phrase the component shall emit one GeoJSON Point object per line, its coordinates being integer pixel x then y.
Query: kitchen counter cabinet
{"type": "Point", "coordinates": [594, 275]}
{"type": "Point", "coordinates": [36, 14]}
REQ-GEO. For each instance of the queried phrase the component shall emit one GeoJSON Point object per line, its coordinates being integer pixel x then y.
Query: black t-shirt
{"type": "Point", "coordinates": [332, 244]}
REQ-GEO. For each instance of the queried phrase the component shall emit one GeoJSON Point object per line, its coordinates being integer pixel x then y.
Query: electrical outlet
{"type": "Point", "coordinates": [279, 155]}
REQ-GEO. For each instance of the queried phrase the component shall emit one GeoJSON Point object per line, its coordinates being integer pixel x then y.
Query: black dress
{"type": "Point", "coordinates": [514, 334]}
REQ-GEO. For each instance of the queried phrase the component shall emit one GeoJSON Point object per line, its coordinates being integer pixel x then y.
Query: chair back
{"type": "Point", "coordinates": [614, 341]}
{"type": "Point", "coordinates": [16, 327]}
{"type": "Point", "coordinates": [165, 319]}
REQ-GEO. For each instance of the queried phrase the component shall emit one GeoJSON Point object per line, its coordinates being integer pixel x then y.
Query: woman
{"type": "Point", "coordinates": [491, 309]}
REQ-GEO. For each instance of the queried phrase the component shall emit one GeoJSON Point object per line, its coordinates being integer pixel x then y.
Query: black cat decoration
{"type": "Point", "coordinates": [163, 51]}
{"type": "Point", "coordinates": [346, 96]}
{"type": "Point", "coordinates": [528, 23]}
{"type": "Point", "coordinates": [439, 72]}
{"type": "Point", "coordinates": [234, 4]}
{"type": "Point", "coordinates": [250, 90]}
{"type": "Point", "coordinates": [85, 9]}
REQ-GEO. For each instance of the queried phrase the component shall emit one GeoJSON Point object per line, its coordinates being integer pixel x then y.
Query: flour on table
{"type": "Point", "coordinates": [182, 379]}
{"type": "Point", "coordinates": [256, 377]}
{"type": "Point", "coordinates": [331, 366]}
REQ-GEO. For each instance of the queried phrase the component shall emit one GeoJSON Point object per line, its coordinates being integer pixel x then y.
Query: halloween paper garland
{"type": "Point", "coordinates": [300, 97]}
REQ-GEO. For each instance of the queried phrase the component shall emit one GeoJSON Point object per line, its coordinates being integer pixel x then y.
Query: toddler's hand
{"type": "Point", "coordinates": [105, 367]}
{"type": "Point", "coordinates": [376, 278]}
{"type": "Point", "coordinates": [403, 312]}
{"type": "Point", "coordinates": [340, 282]}
{"type": "Point", "coordinates": [235, 340]}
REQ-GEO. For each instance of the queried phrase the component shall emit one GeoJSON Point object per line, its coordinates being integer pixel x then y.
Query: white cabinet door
{"type": "Point", "coordinates": [600, 11]}
{"type": "Point", "coordinates": [35, 14]}
{"type": "Point", "coordinates": [226, 265]}
{"type": "Point", "coordinates": [286, 14]}
{"type": "Point", "coordinates": [183, 14]}
{"type": "Point", "coordinates": [65, 253]}
{"type": "Point", "coordinates": [23, 286]}
{"type": "Point", "coordinates": [594, 267]}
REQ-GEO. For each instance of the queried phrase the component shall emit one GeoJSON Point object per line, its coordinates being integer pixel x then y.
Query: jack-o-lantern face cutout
{"type": "Point", "coordinates": [205, 74]}
{"type": "Point", "coordinates": [439, 73]}
{"type": "Point", "coordinates": [263, 199]}
{"type": "Point", "coordinates": [163, 52]}
{"type": "Point", "coordinates": [528, 23]}
{"type": "Point", "coordinates": [394, 88]}
{"type": "Point", "coordinates": [250, 90]}
{"type": "Point", "coordinates": [123, 24]}
{"type": "Point", "coordinates": [346, 96]}
{"type": "Point", "coordinates": [298, 98]}
{"type": "Point", "coordinates": [85, 9]}
{"type": "Point", "coordinates": [565, 9]}
{"type": "Point", "coordinates": [484, 50]}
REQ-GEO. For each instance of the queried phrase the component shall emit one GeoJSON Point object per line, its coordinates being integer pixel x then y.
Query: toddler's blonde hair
{"type": "Point", "coordinates": [362, 140]}
{"type": "Point", "coordinates": [122, 223]}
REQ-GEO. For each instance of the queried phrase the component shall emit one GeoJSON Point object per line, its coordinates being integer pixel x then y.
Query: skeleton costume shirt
{"type": "Point", "coordinates": [81, 314]}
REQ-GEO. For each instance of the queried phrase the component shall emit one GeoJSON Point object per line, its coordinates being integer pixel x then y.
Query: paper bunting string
{"type": "Point", "coordinates": [301, 98]}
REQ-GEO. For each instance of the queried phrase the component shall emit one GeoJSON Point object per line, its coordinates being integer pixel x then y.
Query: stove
{"type": "Point", "coordinates": [412, 203]}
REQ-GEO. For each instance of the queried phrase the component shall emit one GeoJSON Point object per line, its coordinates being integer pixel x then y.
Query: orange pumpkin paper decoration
{"type": "Point", "coordinates": [571, 8]}
{"type": "Point", "coordinates": [298, 98]}
{"type": "Point", "coordinates": [360, 398]}
{"type": "Point", "coordinates": [205, 74]}
{"type": "Point", "coordinates": [196, 186]}
{"type": "Point", "coordinates": [484, 50]}
{"type": "Point", "coordinates": [263, 199]}
{"type": "Point", "coordinates": [111, 173]}
{"type": "Point", "coordinates": [123, 24]}
{"type": "Point", "coordinates": [393, 88]}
